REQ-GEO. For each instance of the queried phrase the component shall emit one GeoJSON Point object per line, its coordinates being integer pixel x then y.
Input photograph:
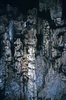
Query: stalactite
{"type": "Point", "coordinates": [11, 30]}
{"type": "Point", "coordinates": [11, 35]}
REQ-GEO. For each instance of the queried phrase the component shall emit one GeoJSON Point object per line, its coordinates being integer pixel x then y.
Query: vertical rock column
{"type": "Point", "coordinates": [32, 90]}
{"type": "Point", "coordinates": [8, 58]}
{"type": "Point", "coordinates": [25, 66]}
{"type": "Point", "coordinates": [18, 55]}
{"type": "Point", "coordinates": [8, 55]}
{"type": "Point", "coordinates": [25, 73]}
{"type": "Point", "coordinates": [18, 64]}
{"type": "Point", "coordinates": [46, 40]}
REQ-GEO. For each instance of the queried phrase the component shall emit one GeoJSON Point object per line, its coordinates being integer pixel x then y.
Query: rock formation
{"type": "Point", "coordinates": [33, 52]}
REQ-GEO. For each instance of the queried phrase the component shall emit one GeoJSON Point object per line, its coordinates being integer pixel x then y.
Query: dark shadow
{"type": "Point", "coordinates": [2, 95]}
{"type": "Point", "coordinates": [22, 5]}
{"type": "Point", "coordinates": [63, 9]}
{"type": "Point", "coordinates": [39, 41]}
{"type": "Point", "coordinates": [1, 46]}
{"type": "Point", "coordinates": [63, 97]}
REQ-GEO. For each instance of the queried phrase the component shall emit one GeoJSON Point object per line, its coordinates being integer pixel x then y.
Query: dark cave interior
{"type": "Point", "coordinates": [63, 9]}
{"type": "Point", "coordinates": [23, 5]}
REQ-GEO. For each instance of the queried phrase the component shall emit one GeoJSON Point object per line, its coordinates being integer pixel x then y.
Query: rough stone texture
{"type": "Point", "coordinates": [33, 61]}
{"type": "Point", "coordinates": [55, 9]}
{"type": "Point", "coordinates": [54, 86]}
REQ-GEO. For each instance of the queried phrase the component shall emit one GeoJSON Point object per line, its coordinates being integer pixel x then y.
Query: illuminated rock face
{"type": "Point", "coordinates": [33, 61]}
{"type": "Point", "coordinates": [31, 45]}
{"type": "Point", "coordinates": [32, 89]}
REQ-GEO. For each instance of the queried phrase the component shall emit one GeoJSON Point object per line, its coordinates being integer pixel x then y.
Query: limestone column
{"type": "Point", "coordinates": [8, 55]}
{"type": "Point", "coordinates": [25, 66]}
{"type": "Point", "coordinates": [18, 55]}
{"type": "Point", "coordinates": [18, 58]}
{"type": "Point", "coordinates": [32, 89]}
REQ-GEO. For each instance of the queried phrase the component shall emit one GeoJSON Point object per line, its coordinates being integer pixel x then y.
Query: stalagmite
{"type": "Point", "coordinates": [11, 31]}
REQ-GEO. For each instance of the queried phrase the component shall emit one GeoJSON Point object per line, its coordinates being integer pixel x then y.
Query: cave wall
{"type": "Point", "coordinates": [33, 53]}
